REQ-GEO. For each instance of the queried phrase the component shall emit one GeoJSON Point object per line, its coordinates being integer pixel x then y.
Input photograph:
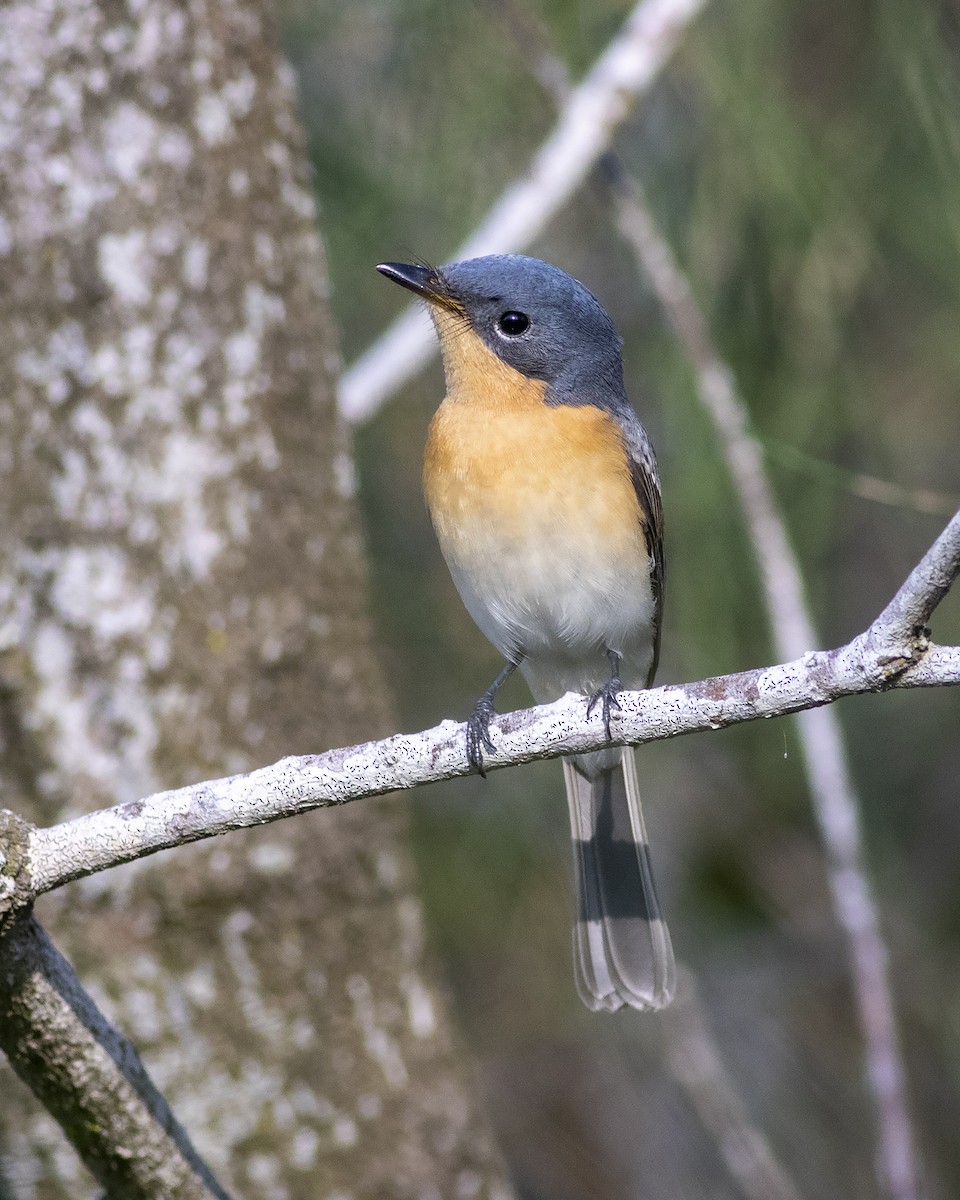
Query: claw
{"type": "Point", "coordinates": [607, 698]}
{"type": "Point", "coordinates": [607, 695]}
{"type": "Point", "coordinates": [478, 725]}
{"type": "Point", "coordinates": [478, 733]}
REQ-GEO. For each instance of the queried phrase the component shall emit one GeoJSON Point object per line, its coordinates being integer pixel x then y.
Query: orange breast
{"type": "Point", "coordinates": [559, 473]}
{"type": "Point", "coordinates": [503, 467]}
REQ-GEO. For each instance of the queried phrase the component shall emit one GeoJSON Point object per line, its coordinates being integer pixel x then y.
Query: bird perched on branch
{"type": "Point", "coordinates": [543, 490]}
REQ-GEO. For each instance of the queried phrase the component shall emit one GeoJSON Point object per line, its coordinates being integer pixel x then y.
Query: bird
{"type": "Point", "coordinates": [543, 489]}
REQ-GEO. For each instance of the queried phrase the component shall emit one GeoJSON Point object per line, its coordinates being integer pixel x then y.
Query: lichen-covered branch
{"type": "Point", "coordinates": [892, 652]}
{"type": "Point", "coordinates": [90, 1077]}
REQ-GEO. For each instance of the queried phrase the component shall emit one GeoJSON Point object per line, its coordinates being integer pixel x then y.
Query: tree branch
{"type": "Point", "coordinates": [90, 1077]}
{"type": "Point", "coordinates": [890, 653]}
{"type": "Point", "coordinates": [585, 126]}
{"type": "Point", "coordinates": [698, 1068]}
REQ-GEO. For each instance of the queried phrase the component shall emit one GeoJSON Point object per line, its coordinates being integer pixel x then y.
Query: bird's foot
{"type": "Point", "coordinates": [478, 733]}
{"type": "Point", "coordinates": [606, 697]}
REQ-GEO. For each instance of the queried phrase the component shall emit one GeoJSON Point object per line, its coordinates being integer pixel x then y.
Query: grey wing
{"type": "Point", "coordinates": [646, 482]}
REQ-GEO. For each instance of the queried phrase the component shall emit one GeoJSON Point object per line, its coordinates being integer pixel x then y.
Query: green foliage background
{"type": "Point", "coordinates": [804, 160]}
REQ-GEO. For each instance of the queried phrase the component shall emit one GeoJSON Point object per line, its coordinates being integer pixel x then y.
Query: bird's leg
{"type": "Point", "coordinates": [607, 695]}
{"type": "Point", "coordinates": [478, 725]}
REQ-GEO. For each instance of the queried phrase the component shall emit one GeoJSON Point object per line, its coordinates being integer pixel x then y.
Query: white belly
{"type": "Point", "coordinates": [562, 610]}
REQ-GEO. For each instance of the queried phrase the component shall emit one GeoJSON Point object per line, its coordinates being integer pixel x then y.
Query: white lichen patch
{"type": "Point", "coordinates": [222, 1109]}
{"type": "Point", "coordinates": [369, 1106]}
{"type": "Point", "coordinates": [387, 866]}
{"type": "Point", "coordinates": [241, 352]}
{"type": "Point", "coordinates": [107, 731]}
{"type": "Point", "coordinates": [307, 1103]}
{"type": "Point", "coordinates": [260, 1016]}
{"type": "Point", "coordinates": [272, 858]}
{"type": "Point", "coordinates": [164, 487]}
{"type": "Point", "coordinates": [246, 379]}
{"type": "Point", "coordinates": [377, 1042]}
{"type": "Point", "coordinates": [94, 588]}
{"type": "Point", "coordinates": [345, 1132]}
{"type": "Point", "coordinates": [142, 1015]}
{"type": "Point", "coordinates": [187, 464]}
{"type": "Point", "coordinates": [160, 30]}
{"type": "Point", "coordinates": [200, 986]}
{"type": "Point", "coordinates": [420, 1009]}
{"type": "Point", "coordinates": [78, 713]}
{"type": "Point", "coordinates": [239, 93]}
{"type": "Point", "coordinates": [345, 476]}
{"type": "Point", "coordinates": [264, 1171]}
{"type": "Point", "coordinates": [216, 112]}
{"type": "Point", "coordinates": [303, 1148]}
{"type": "Point", "coordinates": [130, 136]}
{"type": "Point", "coordinates": [196, 260]}
{"type": "Point", "coordinates": [127, 266]}
{"type": "Point", "coordinates": [469, 1184]}
{"type": "Point", "coordinates": [212, 118]}
{"type": "Point", "coordinates": [106, 153]}
{"type": "Point", "coordinates": [61, 365]}
{"type": "Point", "coordinates": [264, 249]}
{"type": "Point", "coordinates": [301, 1033]}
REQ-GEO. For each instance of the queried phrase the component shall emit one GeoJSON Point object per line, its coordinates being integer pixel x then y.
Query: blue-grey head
{"type": "Point", "coordinates": [533, 316]}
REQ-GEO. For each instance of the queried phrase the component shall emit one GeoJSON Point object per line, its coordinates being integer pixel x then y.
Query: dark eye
{"type": "Point", "coordinates": [513, 323]}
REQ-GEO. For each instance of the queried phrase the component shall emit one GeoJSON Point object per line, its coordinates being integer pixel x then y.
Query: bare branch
{"type": "Point", "coordinates": [939, 667]}
{"type": "Point", "coordinates": [912, 607]}
{"type": "Point", "coordinates": [90, 1077]}
{"type": "Point", "coordinates": [858, 483]}
{"type": "Point", "coordinates": [583, 131]}
{"type": "Point", "coordinates": [697, 1066]}
{"type": "Point", "coordinates": [878, 659]}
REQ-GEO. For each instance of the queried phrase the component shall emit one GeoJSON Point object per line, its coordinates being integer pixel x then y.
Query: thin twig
{"type": "Point", "coordinates": [858, 483]}
{"type": "Point", "coordinates": [585, 126]}
{"type": "Point", "coordinates": [695, 1064]}
{"type": "Point", "coordinates": [822, 749]}
{"type": "Point", "coordinates": [887, 654]}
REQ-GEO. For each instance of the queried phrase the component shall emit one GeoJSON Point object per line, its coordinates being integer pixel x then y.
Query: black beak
{"type": "Point", "coordinates": [425, 281]}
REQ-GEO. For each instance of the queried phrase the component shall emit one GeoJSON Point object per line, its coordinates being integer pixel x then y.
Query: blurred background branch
{"type": "Point", "coordinates": [692, 1053]}
{"type": "Point", "coordinates": [587, 121]}
{"type": "Point", "coordinates": [824, 758]}
{"type": "Point", "coordinates": [857, 483]}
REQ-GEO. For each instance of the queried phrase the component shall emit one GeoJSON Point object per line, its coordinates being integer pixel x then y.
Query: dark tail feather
{"type": "Point", "coordinates": [622, 951]}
